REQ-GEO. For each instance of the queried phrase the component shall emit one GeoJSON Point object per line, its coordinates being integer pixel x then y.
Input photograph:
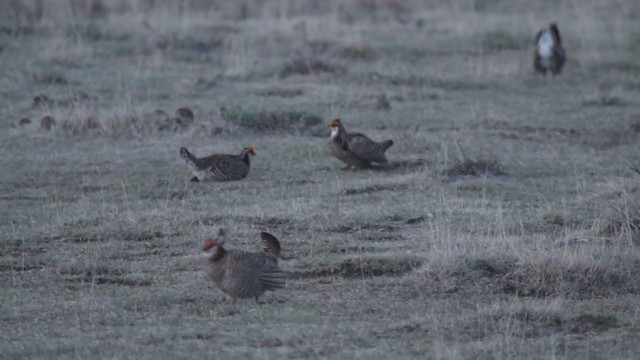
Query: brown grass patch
{"type": "Point", "coordinates": [589, 323]}
{"type": "Point", "coordinates": [75, 99]}
{"type": "Point", "coordinates": [357, 52]}
{"type": "Point", "coordinates": [374, 188]}
{"type": "Point", "coordinates": [543, 278]}
{"type": "Point", "coordinates": [19, 268]}
{"type": "Point", "coordinates": [604, 101]}
{"type": "Point", "coordinates": [421, 82]}
{"type": "Point", "coordinates": [122, 235]}
{"type": "Point", "coordinates": [293, 122]}
{"type": "Point", "coordinates": [367, 267]}
{"type": "Point", "coordinates": [475, 168]}
{"type": "Point", "coordinates": [281, 92]}
{"type": "Point", "coordinates": [101, 280]}
{"type": "Point", "coordinates": [133, 124]}
{"type": "Point", "coordinates": [310, 66]}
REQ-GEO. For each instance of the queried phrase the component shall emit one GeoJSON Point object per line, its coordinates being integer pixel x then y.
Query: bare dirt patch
{"type": "Point", "coordinates": [101, 280]}
{"type": "Point", "coordinates": [281, 92]}
{"type": "Point", "coordinates": [123, 235]}
{"type": "Point", "coordinates": [359, 226]}
{"type": "Point", "coordinates": [373, 189]}
{"type": "Point", "coordinates": [19, 268]}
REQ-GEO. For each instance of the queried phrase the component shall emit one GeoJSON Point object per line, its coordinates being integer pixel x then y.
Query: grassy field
{"type": "Point", "coordinates": [508, 225]}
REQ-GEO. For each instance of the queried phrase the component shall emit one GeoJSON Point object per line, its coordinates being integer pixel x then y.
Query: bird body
{"type": "Point", "coordinates": [219, 167]}
{"type": "Point", "coordinates": [356, 149]}
{"type": "Point", "coordinates": [549, 54]}
{"type": "Point", "coordinates": [242, 274]}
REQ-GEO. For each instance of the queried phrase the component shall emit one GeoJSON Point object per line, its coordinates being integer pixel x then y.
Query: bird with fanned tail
{"type": "Point", "coordinates": [242, 274]}
{"type": "Point", "coordinates": [549, 54]}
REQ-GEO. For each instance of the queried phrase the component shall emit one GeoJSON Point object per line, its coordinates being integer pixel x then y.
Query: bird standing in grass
{"type": "Point", "coordinates": [549, 54]}
{"type": "Point", "coordinates": [219, 167]}
{"type": "Point", "coordinates": [355, 149]}
{"type": "Point", "coordinates": [243, 274]}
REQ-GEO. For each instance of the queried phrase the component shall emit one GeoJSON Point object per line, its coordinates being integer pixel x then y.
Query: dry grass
{"type": "Point", "coordinates": [101, 227]}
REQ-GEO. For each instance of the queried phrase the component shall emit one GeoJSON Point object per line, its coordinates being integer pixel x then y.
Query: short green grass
{"type": "Point", "coordinates": [439, 256]}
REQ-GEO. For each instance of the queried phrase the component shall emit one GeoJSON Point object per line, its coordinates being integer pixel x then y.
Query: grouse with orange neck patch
{"type": "Point", "coordinates": [219, 167]}
{"type": "Point", "coordinates": [355, 149]}
{"type": "Point", "coordinates": [242, 274]}
{"type": "Point", "coordinates": [549, 54]}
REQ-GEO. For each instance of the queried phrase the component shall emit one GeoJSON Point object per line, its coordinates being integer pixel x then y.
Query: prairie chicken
{"type": "Point", "coordinates": [242, 274]}
{"type": "Point", "coordinates": [219, 167]}
{"type": "Point", "coordinates": [355, 149]}
{"type": "Point", "coordinates": [549, 54]}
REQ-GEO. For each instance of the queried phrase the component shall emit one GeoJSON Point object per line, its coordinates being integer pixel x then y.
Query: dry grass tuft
{"type": "Point", "coordinates": [79, 122]}
{"type": "Point", "coordinates": [292, 122]}
{"type": "Point", "coordinates": [24, 122]}
{"type": "Point", "coordinates": [549, 277]}
{"type": "Point", "coordinates": [357, 52]}
{"type": "Point", "coordinates": [625, 220]}
{"type": "Point", "coordinates": [581, 280]}
{"type": "Point", "coordinates": [476, 168]}
{"type": "Point", "coordinates": [281, 92]}
{"type": "Point", "coordinates": [102, 228]}
{"type": "Point", "coordinates": [604, 100]}
{"type": "Point", "coordinates": [74, 100]}
{"type": "Point", "coordinates": [368, 266]}
{"type": "Point", "coordinates": [310, 66]}
{"type": "Point", "coordinates": [47, 123]}
{"type": "Point", "coordinates": [374, 189]}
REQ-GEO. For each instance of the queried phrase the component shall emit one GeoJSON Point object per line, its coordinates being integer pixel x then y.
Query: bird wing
{"type": "Point", "coordinates": [538, 35]}
{"type": "Point", "coordinates": [224, 166]}
{"type": "Point", "coordinates": [272, 278]}
{"type": "Point", "coordinates": [365, 148]}
{"type": "Point", "coordinates": [243, 282]}
{"type": "Point", "coordinates": [250, 274]}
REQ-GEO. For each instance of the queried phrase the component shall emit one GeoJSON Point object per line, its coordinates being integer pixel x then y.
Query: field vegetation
{"type": "Point", "coordinates": [506, 226]}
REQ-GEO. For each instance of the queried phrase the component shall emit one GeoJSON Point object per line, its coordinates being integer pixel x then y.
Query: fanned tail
{"type": "Point", "coordinates": [270, 244]}
{"type": "Point", "coordinates": [386, 144]}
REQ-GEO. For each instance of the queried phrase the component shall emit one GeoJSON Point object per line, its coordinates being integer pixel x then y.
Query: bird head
{"type": "Point", "coordinates": [212, 243]}
{"type": "Point", "coordinates": [335, 125]}
{"type": "Point", "coordinates": [249, 150]}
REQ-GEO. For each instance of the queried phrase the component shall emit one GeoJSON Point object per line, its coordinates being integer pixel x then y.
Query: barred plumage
{"type": "Point", "coordinates": [219, 167]}
{"type": "Point", "coordinates": [355, 149]}
{"type": "Point", "coordinates": [243, 274]}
